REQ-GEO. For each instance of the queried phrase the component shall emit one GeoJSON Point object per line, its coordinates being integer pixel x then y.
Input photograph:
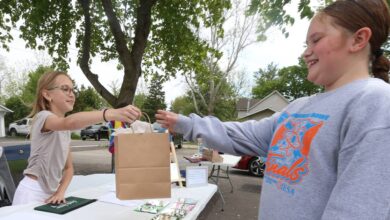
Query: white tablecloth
{"type": "Point", "coordinates": [96, 185]}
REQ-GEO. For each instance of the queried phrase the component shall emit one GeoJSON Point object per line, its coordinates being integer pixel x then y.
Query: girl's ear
{"type": "Point", "coordinates": [360, 39]}
{"type": "Point", "coordinates": [46, 95]}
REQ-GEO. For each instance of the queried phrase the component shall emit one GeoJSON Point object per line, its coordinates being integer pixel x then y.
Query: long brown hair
{"type": "Point", "coordinates": [374, 14]}
{"type": "Point", "coordinates": [46, 81]}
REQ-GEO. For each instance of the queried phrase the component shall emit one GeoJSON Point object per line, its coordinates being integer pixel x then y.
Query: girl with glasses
{"type": "Point", "coordinates": [50, 168]}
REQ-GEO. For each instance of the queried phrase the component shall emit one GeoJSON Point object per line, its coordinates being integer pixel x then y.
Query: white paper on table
{"type": "Point", "coordinates": [175, 176]}
{"type": "Point", "coordinates": [111, 198]}
{"type": "Point", "coordinates": [29, 216]}
{"type": "Point", "coordinates": [196, 176]}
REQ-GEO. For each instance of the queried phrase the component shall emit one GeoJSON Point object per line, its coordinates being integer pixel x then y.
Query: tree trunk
{"type": "Point", "coordinates": [131, 60]}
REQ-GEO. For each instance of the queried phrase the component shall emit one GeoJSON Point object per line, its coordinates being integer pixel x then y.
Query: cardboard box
{"type": "Point", "coordinates": [142, 166]}
{"type": "Point", "coordinates": [212, 155]}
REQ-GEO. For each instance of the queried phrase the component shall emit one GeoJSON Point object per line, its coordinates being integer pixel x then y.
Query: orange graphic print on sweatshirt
{"type": "Point", "coordinates": [287, 161]}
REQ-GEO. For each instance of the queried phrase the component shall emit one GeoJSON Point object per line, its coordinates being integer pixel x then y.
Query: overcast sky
{"type": "Point", "coordinates": [277, 49]}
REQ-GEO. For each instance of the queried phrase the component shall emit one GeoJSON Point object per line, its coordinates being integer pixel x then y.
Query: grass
{"type": "Point", "coordinates": [16, 168]}
{"type": "Point", "coordinates": [75, 136]}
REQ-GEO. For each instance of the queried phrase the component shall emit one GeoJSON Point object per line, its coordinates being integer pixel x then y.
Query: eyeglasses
{"type": "Point", "coordinates": [64, 88]}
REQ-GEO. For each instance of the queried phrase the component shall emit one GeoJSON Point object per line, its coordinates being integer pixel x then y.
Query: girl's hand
{"type": "Point", "coordinates": [126, 114]}
{"type": "Point", "coordinates": [167, 119]}
{"type": "Point", "coordinates": [56, 198]}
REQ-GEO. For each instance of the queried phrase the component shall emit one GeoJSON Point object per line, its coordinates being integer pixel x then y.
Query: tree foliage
{"type": "Point", "coordinates": [19, 108]}
{"type": "Point", "coordinates": [290, 81]}
{"type": "Point", "coordinates": [275, 13]}
{"type": "Point", "coordinates": [139, 100]}
{"type": "Point", "coordinates": [155, 99]}
{"type": "Point", "coordinates": [29, 89]}
{"type": "Point", "coordinates": [266, 81]}
{"type": "Point", "coordinates": [152, 33]}
{"type": "Point", "coordinates": [87, 99]}
{"type": "Point", "coordinates": [182, 105]}
{"type": "Point", "coordinates": [21, 102]}
{"type": "Point", "coordinates": [214, 85]}
{"type": "Point", "coordinates": [224, 108]}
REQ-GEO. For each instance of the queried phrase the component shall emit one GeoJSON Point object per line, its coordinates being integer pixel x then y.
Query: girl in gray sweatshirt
{"type": "Point", "coordinates": [327, 154]}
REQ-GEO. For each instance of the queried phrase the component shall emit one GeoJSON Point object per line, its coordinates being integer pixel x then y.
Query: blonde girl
{"type": "Point", "coordinates": [50, 168]}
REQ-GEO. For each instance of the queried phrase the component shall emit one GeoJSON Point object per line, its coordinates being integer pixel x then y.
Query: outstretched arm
{"type": "Point", "coordinates": [167, 119]}
{"type": "Point", "coordinates": [82, 119]}
{"type": "Point", "coordinates": [238, 138]}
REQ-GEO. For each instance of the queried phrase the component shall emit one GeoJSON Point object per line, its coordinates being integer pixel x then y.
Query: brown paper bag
{"type": "Point", "coordinates": [212, 155]}
{"type": "Point", "coordinates": [142, 166]}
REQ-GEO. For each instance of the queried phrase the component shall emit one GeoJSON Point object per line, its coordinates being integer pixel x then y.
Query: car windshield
{"type": "Point", "coordinates": [95, 126]}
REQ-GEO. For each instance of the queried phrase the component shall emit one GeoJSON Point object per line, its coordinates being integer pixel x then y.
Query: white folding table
{"type": "Point", "coordinates": [97, 185]}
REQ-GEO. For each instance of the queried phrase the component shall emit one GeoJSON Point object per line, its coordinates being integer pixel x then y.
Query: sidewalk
{"type": "Point", "coordinates": [243, 203]}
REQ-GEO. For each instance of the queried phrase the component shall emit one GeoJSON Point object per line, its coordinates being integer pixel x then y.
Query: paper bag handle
{"type": "Point", "coordinates": [145, 115]}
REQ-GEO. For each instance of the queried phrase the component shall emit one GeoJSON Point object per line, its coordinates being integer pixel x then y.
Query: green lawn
{"type": "Point", "coordinates": [17, 167]}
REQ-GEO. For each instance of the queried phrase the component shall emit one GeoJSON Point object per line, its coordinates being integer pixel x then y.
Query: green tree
{"type": "Point", "coordinates": [212, 86]}
{"type": "Point", "coordinates": [87, 99]}
{"type": "Point", "coordinates": [182, 105]}
{"type": "Point", "coordinates": [266, 81]}
{"type": "Point", "coordinates": [19, 108]}
{"type": "Point", "coordinates": [155, 99]}
{"type": "Point", "coordinates": [11, 82]}
{"type": "Point", "coordinates": [206, 98]}
{"type": "Point", "coordinates": [274, 13]}
{"type": "Point", "coordinates": [139, 100]}
{"type": "Point", "coordinates": [3, 70]}
{"type": "Point", "coordinates": [29, 89]}
{"type": "Point", "coordinates": [21, 102]}
{"type": "Point", "coordinates": [155, 33]}
{"type": "Point", "coordinates": [295, 82]}
{"type": "Point", "coordinates": [290, 81]}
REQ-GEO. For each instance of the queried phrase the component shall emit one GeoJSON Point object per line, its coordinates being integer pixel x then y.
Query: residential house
{"type": "Point", "coordinates": [256, 109]}
{"type": "Point", "coordinates": [3, 111]}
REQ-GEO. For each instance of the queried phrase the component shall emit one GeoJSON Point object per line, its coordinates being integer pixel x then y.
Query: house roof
{"type": "Point", "coordinates": [242, 103]}
{"type": "Point", "coordinates": [272, 102]}
{"type": "Point", "coordinates": [255, 113]}
{"type": "Point", "coordinates": [268, 96]}
{"type": "Point", "coordinates": [4, 109]}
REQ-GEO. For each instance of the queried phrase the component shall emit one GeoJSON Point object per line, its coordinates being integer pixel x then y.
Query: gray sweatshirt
{"type": "Point", "coordinates": [328, 155]}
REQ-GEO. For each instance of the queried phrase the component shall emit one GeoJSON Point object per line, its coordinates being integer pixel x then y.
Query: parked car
{"type": "Point", "coordinates": [96, 132]}
{"type": "Point", "coordinates": [177, 140]}
{"type": "Point", "coordinates": [20, 127]}
{"type": "Point", "coordinates": [255, 165]}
